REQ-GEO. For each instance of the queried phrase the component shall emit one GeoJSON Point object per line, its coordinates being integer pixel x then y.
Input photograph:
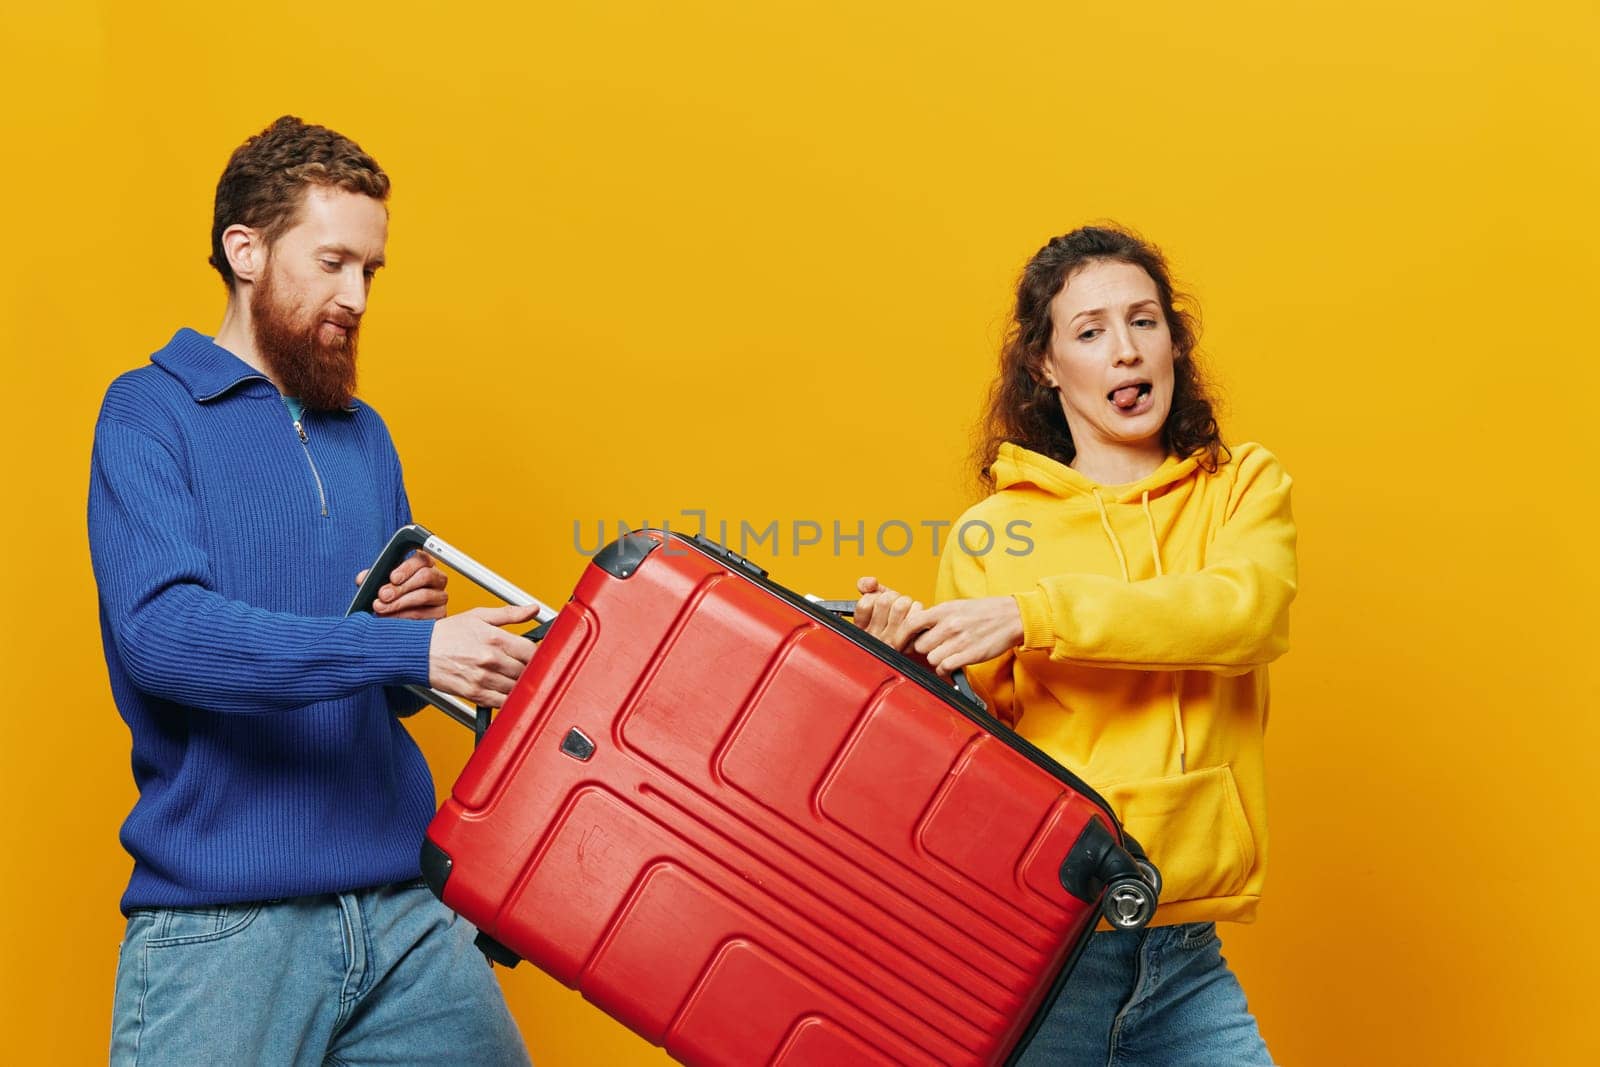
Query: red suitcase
{"type": "Point", "coordinates": [755, 835]}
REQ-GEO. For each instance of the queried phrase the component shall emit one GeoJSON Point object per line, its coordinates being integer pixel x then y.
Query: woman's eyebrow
{"type": "Point", "coordinates": [1147, 302]}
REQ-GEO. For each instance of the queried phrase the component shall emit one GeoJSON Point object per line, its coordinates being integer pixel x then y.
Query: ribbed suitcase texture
{"type": "Point", "coordinates": [756, 836]}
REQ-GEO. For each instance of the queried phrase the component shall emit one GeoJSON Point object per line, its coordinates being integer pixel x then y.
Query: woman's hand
{"type": "Point", "coordinates": [952, 635]}
{"type": "Point", "coordinates": [882, 613]}
{"type": "Point", "coordinates": [959, 633]}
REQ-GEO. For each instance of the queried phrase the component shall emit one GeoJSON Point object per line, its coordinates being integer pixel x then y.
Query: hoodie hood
{"type": "Point", "coordinates": [1016, 467]}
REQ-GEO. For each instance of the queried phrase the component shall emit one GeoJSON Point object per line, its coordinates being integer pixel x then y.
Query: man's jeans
{"type": "Point", "coordinates": [378, 976]}
{"type": "Point", "coordinates": [1161, 996]}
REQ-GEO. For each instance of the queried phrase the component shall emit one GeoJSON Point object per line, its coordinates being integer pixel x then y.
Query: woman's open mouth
{"type": "Point", "coordinates": [1131, 399]}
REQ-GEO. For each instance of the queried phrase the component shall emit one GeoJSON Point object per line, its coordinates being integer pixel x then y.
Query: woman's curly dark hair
{"type": "Point", "coordinates": [1024, 410]}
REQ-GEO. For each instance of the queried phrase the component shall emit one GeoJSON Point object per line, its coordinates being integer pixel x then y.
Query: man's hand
{"type": "Point", "coordinates": [884, 614]}
{"type": "Point", "coordinates": [959, 633]}
{"type": "Point", "coordinates": [472, 658]}
{"type": "Point", "coordinates": [415, 590]}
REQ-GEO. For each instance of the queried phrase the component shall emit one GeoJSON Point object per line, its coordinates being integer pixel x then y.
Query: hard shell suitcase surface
{"type": "Point", "coordinates": [756, 835]}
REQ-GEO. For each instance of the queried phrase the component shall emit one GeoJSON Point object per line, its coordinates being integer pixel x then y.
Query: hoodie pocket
{"type": "Point", "coordinates": [1194, 829]}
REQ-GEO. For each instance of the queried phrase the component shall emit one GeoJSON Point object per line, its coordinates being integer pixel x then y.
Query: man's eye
{"type": "Point", "coordinates": [330, 264]}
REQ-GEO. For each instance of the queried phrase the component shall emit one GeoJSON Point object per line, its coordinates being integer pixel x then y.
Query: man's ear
{"type": "Point", "coordinates": [246, 250]}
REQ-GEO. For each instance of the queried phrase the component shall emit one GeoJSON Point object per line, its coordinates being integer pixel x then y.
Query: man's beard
{"type": "Point", "coordinates": [321, 375]}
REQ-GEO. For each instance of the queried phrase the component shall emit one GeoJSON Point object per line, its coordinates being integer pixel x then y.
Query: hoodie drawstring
{"type": "Point", "coordinates": [1150, 521]}
{"type": "Point", "coordinates": [1116, 546]}
{"type": "Point", "coordinates": [1177, 702]}
{"type": "Point", "coordinates": [1122, 561]}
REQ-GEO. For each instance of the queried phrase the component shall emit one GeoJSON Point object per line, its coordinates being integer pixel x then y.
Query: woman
{"type": "Point", "coordinates": [1125, 628]}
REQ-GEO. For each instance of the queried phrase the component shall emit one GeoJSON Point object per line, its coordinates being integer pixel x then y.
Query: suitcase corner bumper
{"type": "Point", "coordinates": [436, 865]}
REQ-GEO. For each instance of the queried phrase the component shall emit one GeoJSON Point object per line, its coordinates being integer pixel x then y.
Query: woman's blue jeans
{"type": "Point", "coordinates": [1162, 997]}
{"type": "Point", "coordinates": [377, 976]}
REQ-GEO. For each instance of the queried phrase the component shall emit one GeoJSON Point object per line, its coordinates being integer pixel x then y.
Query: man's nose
{"type": "Point", "coordinates": [352, 294]}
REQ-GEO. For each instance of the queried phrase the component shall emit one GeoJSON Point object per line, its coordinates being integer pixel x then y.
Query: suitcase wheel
{"type": "Point", "coordinates": [1152, 877]}
{"type": "Point", "coordinates": [495, 951]}
{"type": "Point", "coordinates": [1129, 904]}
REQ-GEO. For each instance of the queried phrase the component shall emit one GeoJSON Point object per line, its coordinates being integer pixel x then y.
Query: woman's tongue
{"type": "Point", "coordinates": [1126, 397]}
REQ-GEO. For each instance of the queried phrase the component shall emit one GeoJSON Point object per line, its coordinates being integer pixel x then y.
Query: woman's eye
{"type": "Point", "coordinates": [1089, 335]}
{"type": "Point", "coordinates": [1147, 323]}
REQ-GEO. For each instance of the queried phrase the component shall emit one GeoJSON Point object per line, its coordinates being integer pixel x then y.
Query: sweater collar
{"type": "Point", "coordinates": [207, 369]}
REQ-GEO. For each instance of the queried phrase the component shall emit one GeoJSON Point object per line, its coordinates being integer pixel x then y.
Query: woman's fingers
{"type": "Point", "coordinates": [872, 610]}
{"type": "Point", "coordinates": [866, 611]}
{"type": "Point", "coordinates": [934, 625]}
{"type": "Point", "coordinates": [949, 658]}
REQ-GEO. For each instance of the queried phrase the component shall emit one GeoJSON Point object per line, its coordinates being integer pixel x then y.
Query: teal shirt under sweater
{"type": "Point", "coordinates": [268, 759]}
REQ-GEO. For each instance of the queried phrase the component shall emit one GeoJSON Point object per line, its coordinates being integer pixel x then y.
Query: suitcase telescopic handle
{"type": "Point", "coordinates": [847, 608]}
{"type": "Point", "coordinates": [408, 539]}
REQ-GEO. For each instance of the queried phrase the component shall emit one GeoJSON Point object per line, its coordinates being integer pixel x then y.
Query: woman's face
{"type": "Point", "coordinates": [1110, 357]}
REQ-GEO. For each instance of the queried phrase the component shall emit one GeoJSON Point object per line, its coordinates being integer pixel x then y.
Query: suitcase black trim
{"type": "Point", "coordinates": [436, 865]}
{"type": "Point", "coordinates": [495, 952]}
{"type": "Point", "coordinates": [622, 557]}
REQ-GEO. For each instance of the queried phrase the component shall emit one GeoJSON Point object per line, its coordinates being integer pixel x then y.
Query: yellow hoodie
{"type": "Point", "coordinates": [1150, 612]}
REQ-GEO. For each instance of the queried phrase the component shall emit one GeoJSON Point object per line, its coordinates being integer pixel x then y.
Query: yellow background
{"type": "Point", "coordinates": [755, 258]}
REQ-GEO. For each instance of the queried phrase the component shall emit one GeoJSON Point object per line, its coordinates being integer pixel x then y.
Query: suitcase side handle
{"type": "Point", "coordinates": [407, 540]}
{"type": "Point", "coordinates": [846, 608]}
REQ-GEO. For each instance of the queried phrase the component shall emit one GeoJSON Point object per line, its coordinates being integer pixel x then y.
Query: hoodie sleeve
{"type": "Point", "coordinates": [1230, 616]}
{"type": "Point", "coordinates": [182, 641]}
{"type": "Point", "coordinates": [961, 575]}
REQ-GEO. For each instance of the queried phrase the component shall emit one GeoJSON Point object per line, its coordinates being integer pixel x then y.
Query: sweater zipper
{"type": "Point", "coordinates": [306, 448]}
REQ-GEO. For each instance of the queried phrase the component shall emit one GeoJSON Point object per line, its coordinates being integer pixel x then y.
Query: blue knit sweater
{"type": "Point", "coordinates": [269, 760]}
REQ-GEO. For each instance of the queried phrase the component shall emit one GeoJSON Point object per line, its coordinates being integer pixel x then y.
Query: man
{"type": "Point", "coordinates": [274, 911]}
